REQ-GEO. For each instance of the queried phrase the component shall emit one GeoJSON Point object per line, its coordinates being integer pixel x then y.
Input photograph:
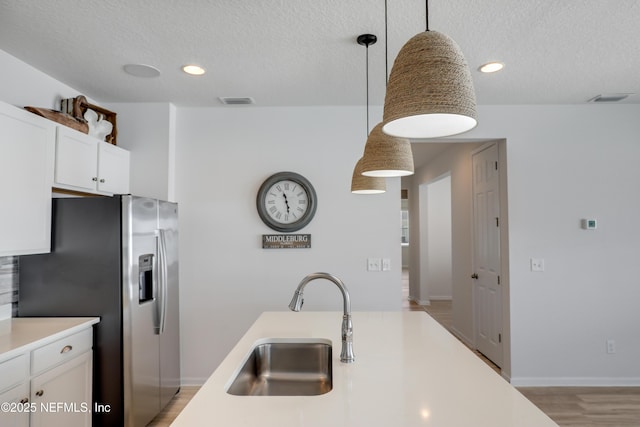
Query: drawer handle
{"type": "Point", "coordinates": [24, 400]}
{"type": "Point", "coordinates": [66, 349]}
{"type": "Point", "coordinates": [39, 393]}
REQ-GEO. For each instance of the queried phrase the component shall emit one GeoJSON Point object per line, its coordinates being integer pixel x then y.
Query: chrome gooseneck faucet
{"type": "Point", "coordinates": [346, 355]}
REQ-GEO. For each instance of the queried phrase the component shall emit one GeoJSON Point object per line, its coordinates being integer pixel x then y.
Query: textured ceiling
{"type": "Point", "coordinates": [304, 52]}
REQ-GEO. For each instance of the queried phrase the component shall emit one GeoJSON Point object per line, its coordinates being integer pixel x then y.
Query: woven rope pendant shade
{"type": "Point", "coordinates": [430, 92]}
{"type": "Point", "coordinates": [386, 156]}
{"type": "Point", "coordinates": [361, 184]}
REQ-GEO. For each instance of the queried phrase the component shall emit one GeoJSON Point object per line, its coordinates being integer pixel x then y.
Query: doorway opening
{"type": "Point", "coordinates": [454, 161]}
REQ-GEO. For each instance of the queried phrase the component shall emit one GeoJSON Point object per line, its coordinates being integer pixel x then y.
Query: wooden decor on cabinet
{"type": "Point", "coordinates": [72, 115]}
{"type": "Point", "coordinates": [76, 107]}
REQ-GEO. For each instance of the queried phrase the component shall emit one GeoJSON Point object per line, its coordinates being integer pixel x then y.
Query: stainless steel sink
{"type": "Point", "coordinates": [285, 367]}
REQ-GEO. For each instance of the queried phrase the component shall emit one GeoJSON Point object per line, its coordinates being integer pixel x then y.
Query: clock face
{"type": "Point", "coordinates": [286, 201]}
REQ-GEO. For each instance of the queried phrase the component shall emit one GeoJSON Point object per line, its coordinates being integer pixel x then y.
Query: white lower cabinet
{"type": "Point", "coordinates": [50, 385]}
{"type": "Point", "coordinates": [84, 163]}
{"type": "Point", "coordinates": [14, 415]}
{"type": "Point", "coordinates": [63, 394]}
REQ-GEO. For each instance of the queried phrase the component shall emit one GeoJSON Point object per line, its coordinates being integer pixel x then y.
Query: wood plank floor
{"type": "Point", "coordinates": [168, 414]}
{"type": "Point", "coordinates": [567, 406]}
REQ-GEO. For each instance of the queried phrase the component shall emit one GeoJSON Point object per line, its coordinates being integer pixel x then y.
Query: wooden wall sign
{"type": "Point", "coordinates": [286, 241]}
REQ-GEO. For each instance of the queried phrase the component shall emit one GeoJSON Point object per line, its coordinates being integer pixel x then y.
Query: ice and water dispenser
{"type": "Point", "coordinates": [145, 279]}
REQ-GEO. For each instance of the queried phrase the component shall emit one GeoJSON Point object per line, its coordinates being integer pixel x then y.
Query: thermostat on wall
{"type": "Point", "coordinates": [589, 224]}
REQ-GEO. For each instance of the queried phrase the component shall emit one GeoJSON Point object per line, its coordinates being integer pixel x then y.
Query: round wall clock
{"type": "Point", "coordinates": [286, 201]}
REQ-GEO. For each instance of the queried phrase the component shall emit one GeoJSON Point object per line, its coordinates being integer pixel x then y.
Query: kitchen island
{"type": "Point", "coordinates": [409, 371]}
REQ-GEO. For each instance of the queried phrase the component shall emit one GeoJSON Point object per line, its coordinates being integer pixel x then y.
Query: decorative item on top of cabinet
{"type": "Point", "coordinates": [87, 118]}
{"type": "Point", "coordinates": [79, 108]}
{"type": "Point", "coordinates": [79, 124]}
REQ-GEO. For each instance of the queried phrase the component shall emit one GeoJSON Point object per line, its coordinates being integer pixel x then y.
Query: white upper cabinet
{"type": "Point", "coordinates": [84, 163]}
{"type": "Point", "coordinates": [113, 169]}
{"type": "Point", "coordinates": [26, 177]}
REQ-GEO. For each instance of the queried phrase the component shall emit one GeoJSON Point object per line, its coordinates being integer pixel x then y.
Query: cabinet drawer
{"type": "Point", "coordinates": [60, 351]}
{"type": "Point", "coordinates": [13, 371]}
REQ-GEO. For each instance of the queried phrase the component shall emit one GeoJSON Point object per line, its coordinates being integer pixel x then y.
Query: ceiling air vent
{"type": "Point", "coordinates": [610, 97]}
{"type": "Point", "coordinates": [226, 100]}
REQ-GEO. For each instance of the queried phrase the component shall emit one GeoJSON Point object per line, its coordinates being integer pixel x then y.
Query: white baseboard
{"type": "Point", "coordinates": [193, 381]}
{"type": "Point", "coordinates": [420, 301]}
{"type": "Point", "coordinates": [574, 382]}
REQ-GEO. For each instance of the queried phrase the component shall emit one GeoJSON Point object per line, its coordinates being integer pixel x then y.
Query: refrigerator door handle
{"type": "Point", "coordinates": [163, 279]}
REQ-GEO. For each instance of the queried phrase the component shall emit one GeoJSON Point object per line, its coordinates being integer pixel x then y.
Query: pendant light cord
{"type": "Point", "coordinates": [426, 8]}
{"type": "Point", "coordinates": [367, 80]}
{"type": "Point", "coordinates": [386, 45]}
{"type": "Point", "coordinates": [366, 40]}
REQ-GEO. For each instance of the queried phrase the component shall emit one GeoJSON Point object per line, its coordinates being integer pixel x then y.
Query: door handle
{"type": "Point", "coordinates": [474, 276]}
{"type": "Point", "coordinates": [162, 256]}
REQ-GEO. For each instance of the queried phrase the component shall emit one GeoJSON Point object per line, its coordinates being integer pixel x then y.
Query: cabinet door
{"type": "Point", "coordinates": [63, 394]}
{"type": "Point", "coordinates": [16, 415]}
{"type": "Point", "coordinates": [26, 174]}
{"type": "Point", "coordinates": [113, 169]}
{"type": "Point", "coordinates": [76, 166]}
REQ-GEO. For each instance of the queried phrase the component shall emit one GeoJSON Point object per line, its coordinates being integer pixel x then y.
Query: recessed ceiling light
{"type": "Point", "coordinates": [491, 67]}
{"type": "Point", "coordinates": [141, 70]}
{"type": "Point", "coordinates": [194, 70]}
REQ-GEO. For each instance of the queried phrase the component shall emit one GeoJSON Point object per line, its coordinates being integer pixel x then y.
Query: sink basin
{"type": "Point", "coordinates": [285, 367]}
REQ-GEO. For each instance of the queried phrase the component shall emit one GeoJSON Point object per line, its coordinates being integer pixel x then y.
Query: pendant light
{"type": "Point", "coordinates": [361, 184]}
{"type": "Point", "coordinates": [384, 155]}
{"type": "Point", "coordinates": [430, 92]}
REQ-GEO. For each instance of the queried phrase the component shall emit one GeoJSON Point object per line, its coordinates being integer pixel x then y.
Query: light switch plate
{"type": "Point", "coordinates": [374, 264]}
{"type": "Point", "coordinates": [386, 264]}
{"type": "Point", "coordinates": [537, 264]}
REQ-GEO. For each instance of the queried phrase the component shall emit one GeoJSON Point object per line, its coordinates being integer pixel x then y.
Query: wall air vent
{"type": "Point", "coordinates": [610, 97]}
{"type": "Point", "coordinates": [227, 100]}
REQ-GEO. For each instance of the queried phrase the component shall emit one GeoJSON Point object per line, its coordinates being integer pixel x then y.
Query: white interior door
{"type": "Point", "coordinates": [486, 254]}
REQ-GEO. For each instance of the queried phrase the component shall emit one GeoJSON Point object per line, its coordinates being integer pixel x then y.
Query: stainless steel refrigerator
{"type": "Point", "coordinates": [116, 258]}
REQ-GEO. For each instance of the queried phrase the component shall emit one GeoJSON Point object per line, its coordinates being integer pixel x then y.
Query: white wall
{"type": "Point", "coordinates": [566, 163]}
{"type": "Point", "coordinates": [227, 279]}
{"type": "Point", "coordinates": [148, 131]}
{"type": "Point", "coordinates": [438, 219]}
{"type": "Point", "coordinates": [22, 85]}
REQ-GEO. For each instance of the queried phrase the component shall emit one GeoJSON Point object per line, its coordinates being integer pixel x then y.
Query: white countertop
{"type": "Point", "coordinates": [22, 334]}
{"type": "Point", "coordinates": [409, 371]}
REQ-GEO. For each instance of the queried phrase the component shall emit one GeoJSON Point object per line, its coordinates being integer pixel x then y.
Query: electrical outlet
{"type": "Point", "coordinates": [386, 264]}
{"type": "Point", "coordinates": [374, 264]}
{"type": "Point", "coordinates": [537, 264]}
{"type": "Point", "coordinates": [611, 347]}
